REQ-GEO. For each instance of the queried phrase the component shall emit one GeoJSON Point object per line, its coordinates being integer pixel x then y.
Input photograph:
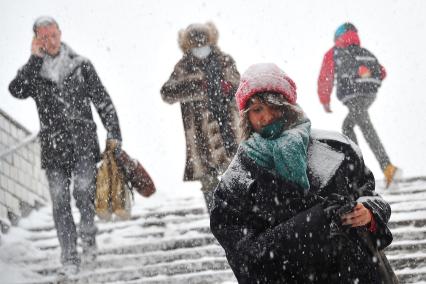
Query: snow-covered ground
{"type": "Point", "coordinates": [26, 248]}
{"type": "Point", "coordinates": [168, 241]}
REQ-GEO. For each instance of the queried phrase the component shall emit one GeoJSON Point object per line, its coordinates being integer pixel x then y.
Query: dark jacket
{"type": "Point", "coordinates": [337, 67]}
{"type": "Point", "coordinates": [67, 129]}
{"type": "Point", "coordinates": [272, 232]}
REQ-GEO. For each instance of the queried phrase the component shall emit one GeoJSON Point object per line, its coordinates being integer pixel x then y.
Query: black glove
{"type": "Point", "coordinates": [335, 206]}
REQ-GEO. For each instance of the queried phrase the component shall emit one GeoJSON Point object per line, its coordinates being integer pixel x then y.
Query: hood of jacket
{"type": "Point", "coordinates": [347, 39]}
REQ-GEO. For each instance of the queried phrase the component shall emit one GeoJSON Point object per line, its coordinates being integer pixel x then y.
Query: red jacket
{"type": "Point", "coordinates": [326, 76]}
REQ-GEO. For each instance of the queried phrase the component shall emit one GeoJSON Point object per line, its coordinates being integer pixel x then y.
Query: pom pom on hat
{"type": "Point", "coordinates": [264, 77]}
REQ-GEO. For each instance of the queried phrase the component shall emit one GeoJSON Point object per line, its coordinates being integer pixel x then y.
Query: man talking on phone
{"type": "Point", "coordinates": [63, 85]}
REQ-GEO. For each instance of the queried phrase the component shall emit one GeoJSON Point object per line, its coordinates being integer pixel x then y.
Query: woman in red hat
{"type": "Point", "coordinates": [297, 205]}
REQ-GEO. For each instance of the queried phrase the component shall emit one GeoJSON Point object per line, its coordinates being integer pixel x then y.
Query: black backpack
{"type": "Point", "coordinates": [357, 71]}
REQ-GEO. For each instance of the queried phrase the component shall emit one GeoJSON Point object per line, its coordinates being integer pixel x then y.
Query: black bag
{"type": "Point", "coordinates": [357, 71]}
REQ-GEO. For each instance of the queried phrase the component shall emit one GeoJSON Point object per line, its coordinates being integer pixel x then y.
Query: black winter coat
{"type": "Point", "coordinates": [67, 129]}
{"type": "Point", "coordinates": [274, 233]}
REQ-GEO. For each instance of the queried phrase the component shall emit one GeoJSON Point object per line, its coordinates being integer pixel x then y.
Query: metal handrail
{"type": "Point", "coordinates": [29, 139]}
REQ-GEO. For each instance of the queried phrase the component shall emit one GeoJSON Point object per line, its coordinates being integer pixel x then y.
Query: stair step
{"type": "Point", "coordinates": [397, 198]}
{"type": "Point", "coordinates": [409, 235]}
{"type": "Point", "coordinates": [403, 223]}
{"type": "Point", "coordinates": [45, 267]}
{"type": "Point", "coordinates": [51, 242]}
{"type": "Point", "coordinates": [414, 275]}
{"type": "Point", "coordinates": [205, 277]}
{"type": "Point", "coordinates": [149, 271]}
{"type": "Point", "coordinates": [403, 261]}
{"type": "Point", "coordinates": [144, 222]}
{"type": "Point", "coordinates": [417, 245]}
{"type": "Point", "coordinates": [165, 245]}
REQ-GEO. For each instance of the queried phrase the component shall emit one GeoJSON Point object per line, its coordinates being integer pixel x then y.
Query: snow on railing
{"type": "Point", "coordinates": [29, 139]}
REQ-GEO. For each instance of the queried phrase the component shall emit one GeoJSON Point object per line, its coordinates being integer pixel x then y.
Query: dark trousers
{"type": "Point", "coordinates": [208, 184]}
{"type": "Point", "coordinates": [83, 178]}
{"type": "Point", "coordinates": [358, 115]}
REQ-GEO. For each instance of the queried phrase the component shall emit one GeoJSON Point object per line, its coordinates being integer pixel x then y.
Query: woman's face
{"type": "Point", "coordinates": [261, 114]}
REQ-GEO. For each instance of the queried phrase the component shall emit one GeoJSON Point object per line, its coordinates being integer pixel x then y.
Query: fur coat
{"type": "Point", "coordinates": [189, 85]}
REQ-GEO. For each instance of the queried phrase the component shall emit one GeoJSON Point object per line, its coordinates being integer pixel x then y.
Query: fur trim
{"type": "Point", "coordinates": [187, 37]}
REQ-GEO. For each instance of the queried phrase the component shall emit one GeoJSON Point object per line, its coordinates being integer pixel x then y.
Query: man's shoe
{"type": "Point", "coordinates": [90, 251]}
{"type": "Point", "coordinates": [89, 255]}
{"type": "Point", "coordinates": [391, 174]}
{"type": "Point", "coordinates": [68, 270]}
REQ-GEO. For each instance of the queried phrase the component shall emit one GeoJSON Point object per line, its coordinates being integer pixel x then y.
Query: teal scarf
{"type": "Point", "coordinates": [282, 150]}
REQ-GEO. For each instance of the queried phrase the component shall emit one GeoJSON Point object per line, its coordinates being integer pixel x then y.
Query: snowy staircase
{"type": "Point", "coordinates": [407, 253]}
{"type": "Point", "coordinates": [169, 241]}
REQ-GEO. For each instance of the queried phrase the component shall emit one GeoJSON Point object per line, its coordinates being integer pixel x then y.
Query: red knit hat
{"type": "Point", "coordinates": [264, 77]}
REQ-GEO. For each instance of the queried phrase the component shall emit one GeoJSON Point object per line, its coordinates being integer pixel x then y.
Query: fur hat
{"type": "Point", "coordinates": [196, 35]}
{"type": "Point", "coordinates": [264, 77]}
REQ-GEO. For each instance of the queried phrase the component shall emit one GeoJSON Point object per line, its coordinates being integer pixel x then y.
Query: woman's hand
{"type": "Point", "coordinates": [359, 216]}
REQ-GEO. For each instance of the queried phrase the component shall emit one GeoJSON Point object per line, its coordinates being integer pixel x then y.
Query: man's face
{"type": "Point", "coordinates": [50, 38]}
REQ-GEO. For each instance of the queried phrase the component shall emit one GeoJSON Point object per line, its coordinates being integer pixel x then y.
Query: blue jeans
{"type": "Point", "coordinates": [83, 178]}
